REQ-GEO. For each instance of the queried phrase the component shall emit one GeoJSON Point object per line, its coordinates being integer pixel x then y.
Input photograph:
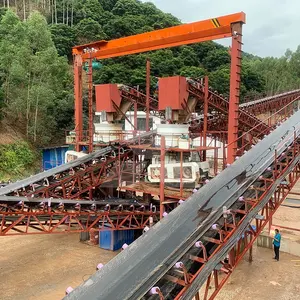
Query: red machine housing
{"type": "Point", "coordinates": [172, 93]}
{"type": "Point", "coordinates": [106, 95]}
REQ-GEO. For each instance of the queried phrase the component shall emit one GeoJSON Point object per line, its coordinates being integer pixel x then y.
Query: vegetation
{"type": "Point", "coordinates": [36, 38]}
{"type": "Point", "coordinates": [280, 74]}
{"type": "Point", "coordinates": [35, 81]}
{"type": "Point", "coordinates": [15, 160]}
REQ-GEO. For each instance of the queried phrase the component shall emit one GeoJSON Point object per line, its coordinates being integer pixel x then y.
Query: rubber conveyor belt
{"type": "Point", "coordinates": [252, 103]}
{"type": "Point", "coordinates": [133, 272]}
{"type": "Point", "coordinates": [40, 176]}
{"type": "Point", "coordinates": [26, 200]}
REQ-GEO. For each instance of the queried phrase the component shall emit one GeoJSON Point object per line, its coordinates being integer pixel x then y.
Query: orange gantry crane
{"type": "Point", "coordinates": [229, 26]}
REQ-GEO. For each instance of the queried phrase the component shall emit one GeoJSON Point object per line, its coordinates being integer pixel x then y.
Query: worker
{"type": "Point", "coordinates": [276, 243]}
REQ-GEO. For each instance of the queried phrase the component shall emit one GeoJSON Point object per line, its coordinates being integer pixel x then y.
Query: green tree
{"type": "Point", "coordinates": [116, 73]}
{"type": "Point", "coordinates": [12, 45]}
{"type": "Point", "coordinates": [38, 33]}
{"type": "Point", "coordinates": [108, 4]}
{"type": "Point", "coordinates": [33, 76]}
{"type": "Point", "coordinates": [89, 30]}
{"type": "Point", "coordinates": [122, 26]}
{"type": "Point", "coordinates": [14, 158]}
{"type": "Point", "coordinates": [64, 38]}
{"type": "Point", "coordinates": [216, 59]}
{"type": "Point", "coordinates": [219, 80]}
{"type": "Point", "coordinates": [89, 9]}
{"type": "Point", "coordinates": [131, 7]}
{"type": "Point", "coordinates": [193, 72]}
{"type": "Point", "coordinates": [203, 49]}
{"type": "Point", "coordinates": [188, 57]}
{"type": "Point", "coordinates": [252, 81]}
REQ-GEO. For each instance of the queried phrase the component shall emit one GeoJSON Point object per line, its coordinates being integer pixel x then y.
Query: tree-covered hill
{"type": "Point", "coordinates": [36, 38]}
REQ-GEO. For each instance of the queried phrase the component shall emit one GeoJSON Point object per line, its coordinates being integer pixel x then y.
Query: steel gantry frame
{"type": "Point", "coordinates": [229, 26]}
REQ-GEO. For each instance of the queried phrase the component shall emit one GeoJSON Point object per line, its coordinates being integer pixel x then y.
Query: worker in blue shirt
{"type": "Point", "coordinates": [276, 243]}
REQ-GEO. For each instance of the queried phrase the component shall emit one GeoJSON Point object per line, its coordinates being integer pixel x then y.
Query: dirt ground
{"type": "Point", "coordinates": [264, 278]}
{"type": "Point", "coordinates": [42, 267]}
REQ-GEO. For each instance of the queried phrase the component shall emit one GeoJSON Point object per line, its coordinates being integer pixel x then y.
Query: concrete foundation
{"type": "Point", "coordinates": [287, 220]}
{"type": "Point", "coordinates": [289, 244]}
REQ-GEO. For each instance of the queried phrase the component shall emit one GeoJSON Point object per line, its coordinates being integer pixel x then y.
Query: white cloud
{"type": "Point", "coordinates": [271, 25]}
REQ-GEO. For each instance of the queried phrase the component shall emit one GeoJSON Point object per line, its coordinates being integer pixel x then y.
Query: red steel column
{"type": "Point", "coordinates": [78, 100]}
{"type": "Point", "coordinates": [251, 254]}
{"type": "Point", "coordinates": [162, 175]}
{"type": "Point", "coordinates": [270, 224]}
{"type": "Point", "coordinates": [205, 115]}
{"type": "Point", "coordinates": [90, 99]}
{"type": "Point", "coordinates": [181, 173]}
{"type": "Point", "coordinates": [148, 66]}
{"type": "Point", "coordinates": [235, 82]}
{"type": "Point", "coordinates": [135, 119]}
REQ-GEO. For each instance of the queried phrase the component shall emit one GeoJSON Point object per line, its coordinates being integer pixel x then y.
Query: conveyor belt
{"type": "Point", "coordinates": [258, 101]}
{"type": "Point", "coordinates": [132, 273]}
{"type": "Point", "coordinates": [29, 201]}
{"type": "Point", "coordinates": [65, 167]}
{"type": "Point", "coordinates": [26, 215]}
{"type": "Point", "coordinates": [247, 121]}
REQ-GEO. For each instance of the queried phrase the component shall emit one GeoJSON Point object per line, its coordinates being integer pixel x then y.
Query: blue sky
{"type": "Point", "coordinates": [272, 25]}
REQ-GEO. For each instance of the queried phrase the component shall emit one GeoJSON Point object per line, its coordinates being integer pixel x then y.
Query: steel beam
{"type": "Point", "coordinates": [234, 97]}
{"type": "Point", "coordinates": [184, 34]}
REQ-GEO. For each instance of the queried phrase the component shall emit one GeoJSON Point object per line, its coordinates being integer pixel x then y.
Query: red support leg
{"type": "Point", "coordinates": [135, 119]}
{"type": "Point", "coordinates": [148, 94]}
{"type": "Point", "coordinates": [205, 115]}
{"type": "Point", "coordinates": [235, 82]}
{"type": "Point", "coordinates": [181, 173]}
{"type": "Point", "coordinates": [78, 100]}
{"type": "Point", "coordinates": [90, 99]}
{"type": "Point", "coordinates": [251, 254]}
{"type": "Point", "coordinates": [162, 175]}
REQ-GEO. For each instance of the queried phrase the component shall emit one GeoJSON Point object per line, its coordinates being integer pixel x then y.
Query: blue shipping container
{"type": "Point", "coordinates": [115, 239]}
{"type": "Point", "coordinates": [53, 157]}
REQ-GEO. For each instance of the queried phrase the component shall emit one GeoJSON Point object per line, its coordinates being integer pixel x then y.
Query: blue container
{"type": "Point", "coordinates": [53, 157]}
{"type": "Point", "coordinates": [115, 239]}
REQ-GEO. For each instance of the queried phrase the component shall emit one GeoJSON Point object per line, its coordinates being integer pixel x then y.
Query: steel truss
{"type": "Point", "coordinates": [271, 103]}
{"type": "Point", "coordinates": [217, 102]}
{"type": "Point", "coordinates": [237, 235]}
{"type": "Point", "coordinates": [215, 232]}
{"type": "Point", "coordinates": [79, 181]}
{"type": "Point", "coordinates": [139, 98]}
{"type": "Point", "coordinates": [223, 250]}
{"type": "Point", "coordinates": [20, 215]}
